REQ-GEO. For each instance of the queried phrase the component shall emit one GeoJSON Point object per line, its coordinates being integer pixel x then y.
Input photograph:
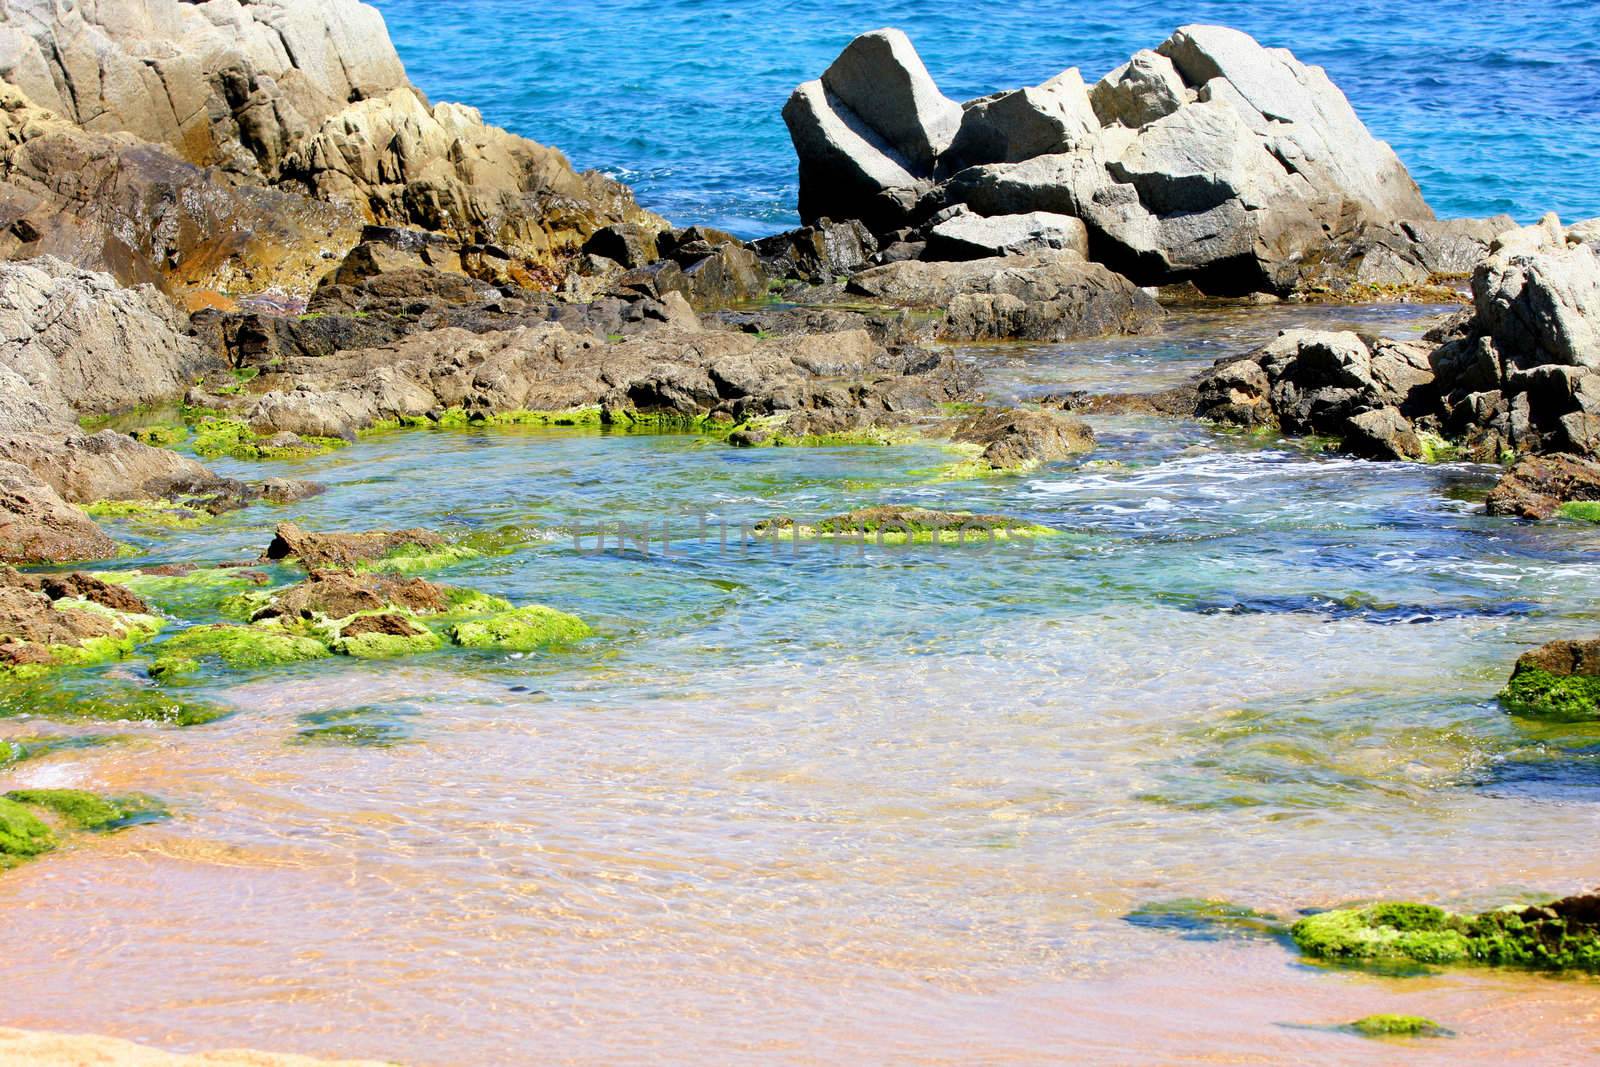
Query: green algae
{"type": "Point", "coordinates": [520, 630]}
{"type": "Point", "coordinates": [1563, 935]}
{"type": "Point", "coordinates": [89, 811]}
{"type": "Point", "coordinates": [419, 558]}
{"type": "Point", "coordinates": [900, 526]}
{"type": "Point", "coordinates": [222, 436]}
{"type": "Point", "coordinates": [190, 595]}
{"type": "Point", "coordinates": [166, 514]}
{"type": "Point", "coordinates": [101, 700]}
{"type": "Point", "coordinates": [160, 435]}
{"type": "Point", "coordinates": [1537, 694]}
{"type": "Point", "coordinates": [19, 750]}
{"type": "Point", "coordinates": [388, 646]}
{"type": "Point", "coordinates": [237, 647]}
{"type": "Point", "coordinates": [1395, 1026]}
{"type": "Point", "coordinates": [23, 835]}
{"type": "Point", "coordinates": [1196, 919]}
{"type": "Point", "coordinates": [135, 629]}
{"type": "Point", "coordinates": [1581, 510]}
{"type": "Point", "coordinates": [368, 726]}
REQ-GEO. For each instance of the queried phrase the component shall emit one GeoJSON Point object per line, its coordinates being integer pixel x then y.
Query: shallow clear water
{"type": "Point", "coordinates": [1495, 107]}
{"type": "Point", "coordinates": [877, 804]}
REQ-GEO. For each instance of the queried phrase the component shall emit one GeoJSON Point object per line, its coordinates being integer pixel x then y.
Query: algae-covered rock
{"type": "Point", "coordinates": [23, 834]}
{"type": "Point", "coordinates": [1396, 1026]}
{"type": "Point", "coordinates": [1207, 920]}
{"type": "Point", "coordinates": [100, 699]}
{"type": "Point", "coordinates": [409, 551]}
{"type": "Point", "coordinates": [371, 726]}
{"type": "Point", "coordinates": [1561, 935]}
{"type": "Point", "coordinates": [39, 633]}
{"type": "Point", "coordinates": [521, 630]}
{"type": "Point", "coordinates": [384, 635]}
{"type": "Point", "coordinates": [185, 591]}
{"type": "Point", "coordinates": [898, 525]}
{"type": "Point", "coordinates": [215, 436]}
{"type": "Point", "coordinates": [1559, 681]}
{"type": "Point", "coordinates": [238, 647]}
{"type": "Point", "coordinates": [89, 811]}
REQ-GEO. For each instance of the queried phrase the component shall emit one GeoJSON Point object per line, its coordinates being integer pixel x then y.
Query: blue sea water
{"type": "Point", "coordinates": [1495, 106]}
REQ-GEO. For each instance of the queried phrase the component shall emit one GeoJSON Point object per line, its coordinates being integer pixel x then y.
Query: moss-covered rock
{"type": "Point", "coordinates": [1396, 1026]}
{"type": "Point", "coordinates": [39, 634]}
{"type": "Point", "coordinates": [521, 630]}
{"type": "Point", "coordinates": [164, 514]}
{"type": "Point", "coordinates": [1208, 920]}
{"type": "Point", "coordinates": [1561, 935]}
{"type": "Point", "coordinates": [23, 835]}
{"type": "Point", "coordinates": [189, 592]}
{"type": "Point", "coordinates": [102, 700]}
{"type": "Point", "coordinates": [88, 811]}
{"type": "Point", "coordinates": [160, 434]}
{"type": "Point", "coordinates": [1559, 681]}
{"type": "Point", "coordinates": [219, 436]}
{"type": "Point", "coordinates": [384, 635]}
{"type": "Point", "coordinates": [238, 647]}
{"type": "Point", "coordinates": [1581, 510]}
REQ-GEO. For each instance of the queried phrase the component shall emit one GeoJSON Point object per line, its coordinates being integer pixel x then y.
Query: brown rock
{"type": "Point", "coordinates": [1022, 437]}
{"type": "Point", "coordinates": [37, 526]}
{"type": "Point", "coordinates": [1564, 658]}
{"type": "Point", "coordinates": [337, 594]}
{"type": "Point", "coordinates": [319, 550]}
{"type": "Point", "coordinates": [1538, 485]}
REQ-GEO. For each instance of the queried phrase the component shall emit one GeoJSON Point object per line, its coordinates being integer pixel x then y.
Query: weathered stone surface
{"type": "Point", "coordinates": [37, 526]}
{"type": "Point", "coordinates": [338, 594]}
{"type": "Point", "coordinates": [318, 551]}
{"type": "Point", "coordinates": [1022, 438]}
{"type": "Point", "coordinates": [819, 253]}
{"type": "Point", "coordinates": [86, 346]}
{"type": "Point", "coordinates": [1340, 384]}
{"type": "Point", "coordinates": [1142, 90]}
{"type": "Point", "coordinates": [84, 468]}
{"type": "Point", "coordinates": [1537, 486]}
{"type": "Point", "coordinates": [1010, 127]}
{"type": "Point", "coordinates": [972, 236]}
{"type": "Point", "coordinates": [881, 80]}
{"type": "Point", "coordinates": [545, 368]}
{"type": "Point", "coordinates": [1211, 160]}
{"type": "Point", "coordinates": [1042, 297]}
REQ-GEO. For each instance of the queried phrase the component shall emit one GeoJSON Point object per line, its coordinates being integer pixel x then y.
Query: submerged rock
{"type": "Point", "coordinates": [1396, 1026]}
{"type": "Point", "coordinates": [893, 524]}
{"type": "Point", "coordinates": [1559, 681]}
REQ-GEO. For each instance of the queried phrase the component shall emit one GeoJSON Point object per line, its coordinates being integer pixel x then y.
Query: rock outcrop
{"type": "Point", "coordinates": [1210, 160]}
{"type": "Point", "coordinates": [1049, 297]}
{"type": "Point", "coordinates": [240, 146]}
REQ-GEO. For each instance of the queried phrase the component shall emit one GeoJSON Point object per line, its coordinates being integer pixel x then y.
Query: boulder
{"type": "Point", "coordinates": [1022, 438]}
{"type": "Point", "coordinates": [1559, 681]}
{"type": "Point", "coordinates": [1039, 297]}
{"type": "Point", "coordinates": [972, 236]}
{"type": "Point", "coordinates": [84, 468]}
{"type": "Point", "coordinates": [818, 253]}
{"type": "Point", "coordinates": [1010, 127]}
{"type": "Point", "coordinates": [1146, 88]}
{"type": "Point", "coordinates": [869, 132]}
{"type": "Point", "coordinates": [37, 526]}
{"type": "Point", "coordinates": [1211, 160]}
{"type": "Point", "coordinates": [87, 346]}
{"type": "Point", "coordinates": [1536, 486]}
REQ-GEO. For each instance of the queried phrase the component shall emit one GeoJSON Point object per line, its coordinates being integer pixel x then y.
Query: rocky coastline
{"type": "Point", "coordinates": [236, 227]}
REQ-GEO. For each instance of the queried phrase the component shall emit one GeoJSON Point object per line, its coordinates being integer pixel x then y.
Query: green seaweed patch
{"type": "Point", "coordinates": [1435, 449]}
{"type": "Point", "coordinates": [89, 811]}
{"type": "Point", "coordinates": [1581, 510]}
{"type": "Point", "coordinates": [237, 647]}
{"type": "Point", "coordinates": [21, 749]}
{"type": "Point", "coordinates": [1562, 935]}
{"type": "Point", "coordinates": [388, 646]}
{"type": "Point", "coordinates": [1381, 1026]}
{"type": "Point", "coordinates": [1195, 919]}
{"type": "Point", "coordinates": [160, 435]}
{"type": "Point", "coordinates": [189, 594]}
{"type": "Point", "coordinates": [94, 699]}
{"type": "Point", "coordinates": [166, 514]}
{"type": "Point", "coordinates": [900, 526]}
{"type": "Point", "coordinates": [1537, 694]}
{"type": "Point", "coordinates": [364, 727]}
{"type": "Point", "coordinates": [419, 558]}
{"type": "Point", "coordinates": [23, 835]}
{"type": "Point", "coordinates": [221, 436]}
{"type": "Point", "coordinates": [525, 629]}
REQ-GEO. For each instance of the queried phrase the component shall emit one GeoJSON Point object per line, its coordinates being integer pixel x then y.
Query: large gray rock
{"type": "Point", "coordinates": [1146, 88]}
{"type": "Point", "coordinates": [84, 345]}
{"type": "Point", "coordinates": [880, 79]}
{"type": "Point", "coordinates": [1210, 160]}
{"type": "Point", "coordinates": [972, 236]}
{"type": "Point", "coordinates": [1036, 121]}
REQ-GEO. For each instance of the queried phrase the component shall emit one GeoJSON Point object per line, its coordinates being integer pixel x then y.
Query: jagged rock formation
{"type": "Point", "coordinates": [242, 144]}
{"type": "Point", "coordinates": [1210, 160]}
{"type": "Point", "coordinates": [1517, 374]}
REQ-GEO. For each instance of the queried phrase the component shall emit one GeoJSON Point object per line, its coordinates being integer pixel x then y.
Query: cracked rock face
{"type": "Point", "coordinates": [1210, 159]}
